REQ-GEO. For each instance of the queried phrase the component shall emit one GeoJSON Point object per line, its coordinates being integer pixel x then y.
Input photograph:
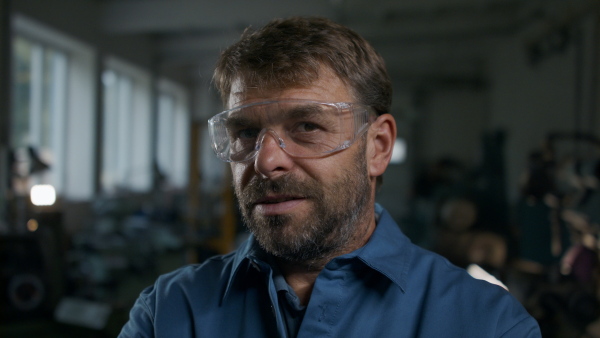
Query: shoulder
{"type": "Point", "coordinates": [450, 292]}
{"type": "Point", "coordinates": [194, 280]}
{"type": "Point", "coordinates": [443, 278]}
{"type": "Point", "coordinates": [176, 297]}
{"type": "Point", "coordinates": [212, 266]}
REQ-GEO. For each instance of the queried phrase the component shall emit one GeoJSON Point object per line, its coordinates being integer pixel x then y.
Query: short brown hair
{"type": "Point", "coordinates": [290, 52]}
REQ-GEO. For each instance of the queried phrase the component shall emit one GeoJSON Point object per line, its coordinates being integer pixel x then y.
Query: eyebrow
{"type": "Point", "coordinates": [304, 111]}
{"type": "Point", "coordinates": [237, 121]}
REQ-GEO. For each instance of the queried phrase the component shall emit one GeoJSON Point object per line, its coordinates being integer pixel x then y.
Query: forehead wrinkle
{"type": "Point", "coordinates": [251, 116]}
{"type": "Point", "coordinates": [278, 112]}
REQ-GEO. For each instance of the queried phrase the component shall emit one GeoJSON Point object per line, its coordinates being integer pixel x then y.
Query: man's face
{"type": "Point", "coordinates": [303, 210]}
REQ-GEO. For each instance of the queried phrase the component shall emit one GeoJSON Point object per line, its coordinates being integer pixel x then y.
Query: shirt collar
{"type": "Point", "coordinates": [387, 251]}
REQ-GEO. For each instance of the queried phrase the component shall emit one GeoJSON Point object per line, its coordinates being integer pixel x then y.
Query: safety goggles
{"type": "Point", "coordinates": [302, 128]}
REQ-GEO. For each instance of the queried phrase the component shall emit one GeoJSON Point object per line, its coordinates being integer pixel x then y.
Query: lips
{"type": "Point", "coordinates": [275, 199]}
{"type": "Point", "coordinates": [277, 204]}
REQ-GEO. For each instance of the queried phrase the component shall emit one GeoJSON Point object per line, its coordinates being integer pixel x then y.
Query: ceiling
{"type": "Point", "coordinates": [420, 39]}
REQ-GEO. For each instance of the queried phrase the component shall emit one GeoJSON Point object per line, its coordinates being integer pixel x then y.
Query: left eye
{"type": "Point", "coordinates": [305, 127]}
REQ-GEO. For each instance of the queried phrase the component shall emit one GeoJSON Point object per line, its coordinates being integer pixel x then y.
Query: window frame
{"type": "Point", "coordinates": [77, 120]}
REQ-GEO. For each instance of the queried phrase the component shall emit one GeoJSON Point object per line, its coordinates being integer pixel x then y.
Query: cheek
{"type": "Point", "coordinates": [240, 174]}
{"type": "Point", "coordinates": [327, 170]}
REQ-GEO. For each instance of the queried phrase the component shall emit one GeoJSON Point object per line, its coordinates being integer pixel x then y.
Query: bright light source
{"type": "Point", "coordinates": [32, 225]}
{"type": "Point", "coordinates": [43, 194]}
{"type": "Point", "coordinates": [399, 153]}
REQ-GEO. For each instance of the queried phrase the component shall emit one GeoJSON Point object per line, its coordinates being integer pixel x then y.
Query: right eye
{"type": "Point", "coordinates": [247, 133]}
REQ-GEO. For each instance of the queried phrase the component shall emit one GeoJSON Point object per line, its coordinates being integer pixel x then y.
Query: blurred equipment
{"type": "Point", "coordinates": [557, 216]}
{"type": "Point", "coordinates": [36, 164]}
{"type": "Point", "coordinates": [23, 282]}
{"type": "Point", "coordinates": [81, 312]}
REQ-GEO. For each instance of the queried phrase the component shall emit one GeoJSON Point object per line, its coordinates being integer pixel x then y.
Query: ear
{"type": "Point", "coordinates": [382, 136]}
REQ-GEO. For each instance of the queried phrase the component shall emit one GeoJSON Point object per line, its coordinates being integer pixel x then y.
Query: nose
{"type": "Point", "coordinates": [271, 160]}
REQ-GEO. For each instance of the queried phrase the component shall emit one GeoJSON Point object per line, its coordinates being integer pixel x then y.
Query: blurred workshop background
{"type": "Point", "coordinates": [107, 178]}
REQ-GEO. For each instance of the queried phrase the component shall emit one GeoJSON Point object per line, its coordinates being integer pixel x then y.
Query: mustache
{"type": "Point", "coordinates": [258, 188]}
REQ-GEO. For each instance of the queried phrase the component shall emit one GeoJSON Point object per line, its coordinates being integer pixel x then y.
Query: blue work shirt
{"type": "Point", "coordinates": [388, 288]}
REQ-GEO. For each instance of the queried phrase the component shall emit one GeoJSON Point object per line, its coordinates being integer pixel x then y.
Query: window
{"type": "Point", "coordinates": [126, 138]}
{"type": "Point", "coordinates": [52, 117]}
{"type": "Point", "coordinates": [173, 134]}
{"type": "Point", "coordinates": [38, 114]}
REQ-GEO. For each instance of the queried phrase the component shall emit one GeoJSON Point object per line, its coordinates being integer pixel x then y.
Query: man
{"type": "Point", "coordinates": [308, 134]}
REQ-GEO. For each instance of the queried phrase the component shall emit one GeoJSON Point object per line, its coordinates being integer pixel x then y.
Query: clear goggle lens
{"type": "Point", "coordinates": [301, 128]}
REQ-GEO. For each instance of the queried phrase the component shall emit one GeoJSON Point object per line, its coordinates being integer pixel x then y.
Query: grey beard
{"type": "Point", "coordinates": [334, 223]}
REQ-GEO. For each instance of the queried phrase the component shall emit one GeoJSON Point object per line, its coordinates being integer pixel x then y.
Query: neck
{"type": "Point", "coordinates": [301, 276]}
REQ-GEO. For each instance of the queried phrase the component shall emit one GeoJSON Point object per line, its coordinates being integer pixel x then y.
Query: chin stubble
{"type": "Point", "coordinates": [334, 223]}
